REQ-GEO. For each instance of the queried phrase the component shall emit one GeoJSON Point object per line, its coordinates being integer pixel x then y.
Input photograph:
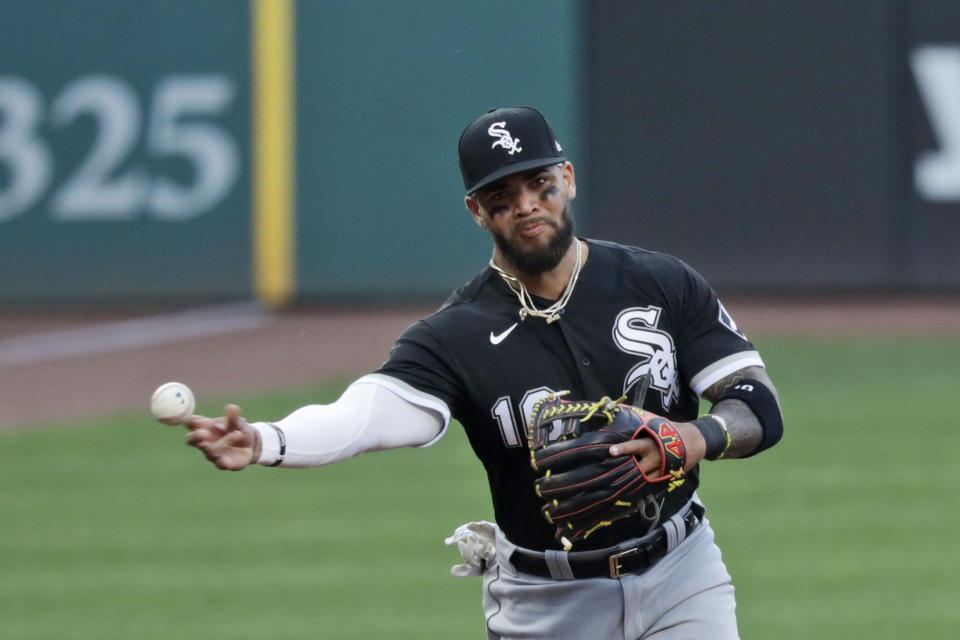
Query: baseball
{"type": "Point", "coordinates": [172, 402]}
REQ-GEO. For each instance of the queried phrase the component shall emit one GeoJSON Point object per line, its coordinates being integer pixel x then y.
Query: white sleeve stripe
{"type": "Point", "coordinates": [413, 396]}
{"type": "Point", "coordinates": [724, 367]}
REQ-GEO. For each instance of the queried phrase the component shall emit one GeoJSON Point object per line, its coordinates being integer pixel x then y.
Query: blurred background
{"type": "Point", "coordinates": [777, 146]}
{"type": "Point", "coordinates": [256, 197]}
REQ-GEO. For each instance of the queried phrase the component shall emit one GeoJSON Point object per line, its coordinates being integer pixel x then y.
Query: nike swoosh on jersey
{"type": "Point", "coordinates": [497, 339]}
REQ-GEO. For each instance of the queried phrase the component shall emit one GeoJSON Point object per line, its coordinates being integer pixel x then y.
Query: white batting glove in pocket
{"type": "Point", "coordinates": [476, 542]}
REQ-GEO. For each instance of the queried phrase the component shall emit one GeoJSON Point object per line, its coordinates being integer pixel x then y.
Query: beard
{"type": "Point", "coordinates": [538, 261]}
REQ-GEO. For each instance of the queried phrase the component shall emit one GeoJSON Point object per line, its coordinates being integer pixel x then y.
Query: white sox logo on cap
{"type": "Point", "coordinates": [483, 160]}
{"type": "Point", "coordinates": [504, 139]}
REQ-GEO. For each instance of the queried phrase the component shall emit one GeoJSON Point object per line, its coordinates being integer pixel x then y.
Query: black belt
{"type": "Point", "coordinates": [627, 558]}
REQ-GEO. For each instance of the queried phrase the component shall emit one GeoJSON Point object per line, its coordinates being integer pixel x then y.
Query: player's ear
{"type": "Point", "coordinates": [570, 178]}
{"type": "Point", "coordinates": [474, 207]}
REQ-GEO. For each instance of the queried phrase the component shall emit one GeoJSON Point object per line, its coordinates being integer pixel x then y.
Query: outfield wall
{"type": "Point", "coordinates": [124, 150]}
{"type": "Point", "coordinates": [780, 144]}
{"type": "Point", "coordinates": [211, 149]}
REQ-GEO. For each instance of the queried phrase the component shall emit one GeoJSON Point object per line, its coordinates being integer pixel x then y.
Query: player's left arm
{"type": "Point", "coordinates": [749, 406]}
{"type": "Point", "coordinates": [744, 420]}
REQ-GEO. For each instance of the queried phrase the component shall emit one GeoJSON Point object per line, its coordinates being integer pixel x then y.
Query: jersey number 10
{"type": "Point", "coordinates": [515, 434]}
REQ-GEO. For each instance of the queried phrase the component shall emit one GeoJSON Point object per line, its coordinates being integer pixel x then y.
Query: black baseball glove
{"type": "Point", "coordinates": [583, 487]}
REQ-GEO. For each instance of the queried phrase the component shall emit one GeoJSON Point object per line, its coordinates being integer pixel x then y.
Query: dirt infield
{"type": "Point", "coordinates": [62, 366]}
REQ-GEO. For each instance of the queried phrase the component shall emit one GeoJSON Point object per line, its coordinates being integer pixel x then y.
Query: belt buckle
{"type": "Point", "coordinates": [615, 568]}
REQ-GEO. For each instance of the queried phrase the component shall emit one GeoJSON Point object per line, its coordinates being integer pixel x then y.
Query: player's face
{"type": "Point", "coordinates": [536, 258]}
{"type": "Point", "coordinates": [529, 216]}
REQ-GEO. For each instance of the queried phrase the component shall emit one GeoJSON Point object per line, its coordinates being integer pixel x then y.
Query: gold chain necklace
{"type": "Point", "coordinates": [527, 308]}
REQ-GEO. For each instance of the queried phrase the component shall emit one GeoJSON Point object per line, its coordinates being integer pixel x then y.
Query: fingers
{"type": "Point", "coordinates": [197, 422]}
{"type": "Point", "coordinates": [230, 421]}
{"type": "Point", "coordinates": [223, 441]}
{"type": "Point", "coordinates": [231, 451]}
{"type": "Point", "coordinates": [643, 449]}
{"type": "Point", "coordinates": [638, 447]}
{"type": "Point", "coordinates": [231, 417]}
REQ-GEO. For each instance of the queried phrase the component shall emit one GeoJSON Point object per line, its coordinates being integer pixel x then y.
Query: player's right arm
{"type": "Point", "coordinates": [376, 412]}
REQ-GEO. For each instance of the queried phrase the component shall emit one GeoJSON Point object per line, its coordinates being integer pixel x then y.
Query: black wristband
{"type": "Point", "coordinates": [715, 434]}
{"type": "Point", "coordinates": [764, 406]}
{"type": "Point", "coordinates": [283, 445]}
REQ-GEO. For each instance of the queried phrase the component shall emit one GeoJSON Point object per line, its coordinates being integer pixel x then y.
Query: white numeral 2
{"type": "Point", "coordinates": [109, 184]}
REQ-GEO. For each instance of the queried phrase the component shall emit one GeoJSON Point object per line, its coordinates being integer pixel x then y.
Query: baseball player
{"type": "Point", "coordinates": [553, 320]}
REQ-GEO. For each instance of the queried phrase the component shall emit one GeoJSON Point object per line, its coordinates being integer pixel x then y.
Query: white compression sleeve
{"type": "Point", "coordinates": [374, 413]}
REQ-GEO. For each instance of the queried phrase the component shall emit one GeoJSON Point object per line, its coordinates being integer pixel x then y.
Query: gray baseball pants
{"type": "Point", "coordinates": [687, 595]}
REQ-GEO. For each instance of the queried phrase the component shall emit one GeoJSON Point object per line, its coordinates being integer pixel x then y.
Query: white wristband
{"type": "Point", "coordinates": [273, 444]}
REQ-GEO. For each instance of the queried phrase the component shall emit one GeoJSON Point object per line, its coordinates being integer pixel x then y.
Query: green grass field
{"type": "Point", "coordinates": [114, 529]}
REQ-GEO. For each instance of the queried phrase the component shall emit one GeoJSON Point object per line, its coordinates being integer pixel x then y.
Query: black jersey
{"type": "Point", "coordinates": [632, 312]}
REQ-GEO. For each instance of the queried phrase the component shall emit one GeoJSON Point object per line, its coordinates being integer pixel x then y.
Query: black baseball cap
{"type": "Point", "coordinates": [505, 141]}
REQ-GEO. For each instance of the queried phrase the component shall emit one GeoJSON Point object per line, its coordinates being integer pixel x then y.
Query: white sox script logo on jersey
{"type": "Point", "coordinates": [504, 139]}
{"type": "Point", "coordinates": [635, 332]}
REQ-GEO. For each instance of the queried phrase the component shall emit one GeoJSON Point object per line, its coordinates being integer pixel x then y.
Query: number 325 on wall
{"type": "Point", "coordinates": [104, 186]}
